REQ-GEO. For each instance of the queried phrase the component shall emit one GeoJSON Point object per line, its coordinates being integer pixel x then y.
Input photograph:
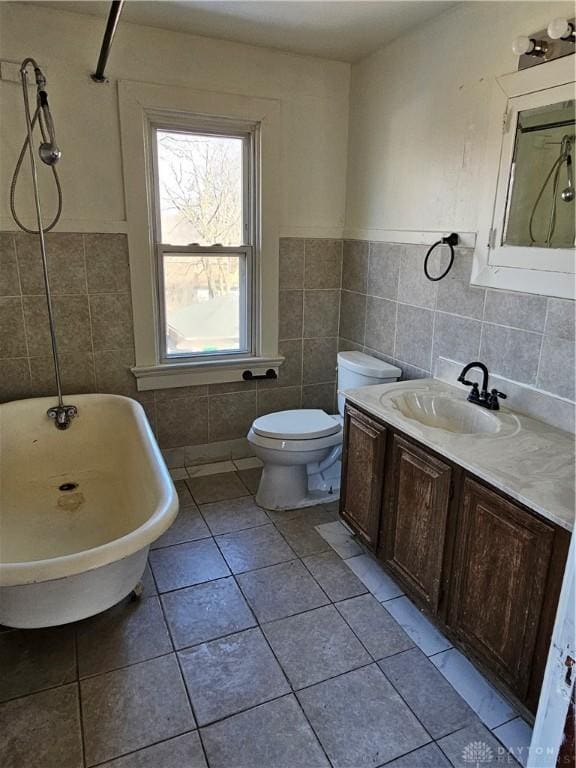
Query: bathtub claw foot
{"type": "Point", "coordinates": [137, 592]}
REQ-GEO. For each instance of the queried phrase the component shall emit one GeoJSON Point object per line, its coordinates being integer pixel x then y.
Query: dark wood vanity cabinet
{"type": "Point", "coordinates": [415, 516]}
{"type": "Point", "coordinates": [501, 564]}
{"type": "Point", "coordinates": [363, 475]}
{"type": "Point", "coordinates": [484, 568]}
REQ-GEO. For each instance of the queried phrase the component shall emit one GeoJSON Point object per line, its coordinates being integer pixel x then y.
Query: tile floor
{"type": "Point", "coordinates": [263, 640]}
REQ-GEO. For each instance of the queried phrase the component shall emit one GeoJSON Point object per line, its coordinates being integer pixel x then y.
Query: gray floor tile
{"type": "Point", "coordinates": [229, 675]}
{"type": "Point", "coordinates": [316, 515]}
{"type": "Point", "coordinates": [188, 526]}
{"type": "Point", "coordinates": [475, 745]}
{"type": "Point", "coordinates": [334, 576]}
{"type": "Point", "coordinates": [340, 539]}
{"type": "Point", "coordinates": [433, 700]}
{"type": "Point", "coordinates": [273, 735]}
{"type": "Point", "coordinates": [42, 730]}
{"type": "Point", "coordinates": [374, 577]}
{"type": "Point", "coordinates": [379, 633]}
{"type": "Point", "coordinates": [33, 659]}
{"type": "Point", "coordinates": [314, 646]}
{"type": "Point", "coordinates": [233, 515]}
{"type": "Point", "coordinates": [132, 708]}
{"type": "Point", "coordinates": [206, 612]}
{"type": "Point", "coordinates": [208, 488]}
{"type": "Point", "coordinates": [361, 720]}
{"type": "Point", "coordinates": [251, 478]}
{"type": "Point", "coordinates": [187, 564]}
{"type": "Point", "coordinates": [488, 703]}
{"type": "Point", "coordinates": [416, 625]}
{"type": "Point", "coordinates": [429, 756]}
{"type": "Point", "coordinates": [516, 737]}
{"type": "Point", "coordinates": [148, 582]}
{"type": "Point", "coordinates": [303, 537]}
{"type": "Point", "coordinates": [184, 496]}
{"type": "Point", "coordinates": [129, 632]}
{"type": "Point", "coordinates": [254, 548]}
{"type": "Point", "coordinates": [281, 590]}
{"type": "Point", "coordinates": [182, 752]}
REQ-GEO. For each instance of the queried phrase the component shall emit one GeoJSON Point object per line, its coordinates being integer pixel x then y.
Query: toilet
{"type": "Point", "coordinates": [301, 449]}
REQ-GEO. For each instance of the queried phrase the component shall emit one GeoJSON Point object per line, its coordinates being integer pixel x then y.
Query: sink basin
{"type": "Point", "coordinates": [447, 413]}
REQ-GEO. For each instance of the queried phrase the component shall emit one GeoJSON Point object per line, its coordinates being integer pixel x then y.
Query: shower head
{"type": "Point", "coordinates": [49, 151]}
{"type": "Point", "coordinates": [568, 194]}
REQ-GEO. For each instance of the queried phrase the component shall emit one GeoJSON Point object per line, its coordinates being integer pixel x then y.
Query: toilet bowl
{"type": "Point", "coordinates": [301, 449]}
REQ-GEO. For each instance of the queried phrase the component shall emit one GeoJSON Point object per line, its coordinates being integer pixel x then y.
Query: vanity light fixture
{"type": "Point", "coordinates": [528, 46]}
{"type": "Point", "coordinates": [561, 29]}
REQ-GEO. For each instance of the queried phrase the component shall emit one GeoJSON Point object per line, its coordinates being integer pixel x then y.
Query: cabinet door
{"type": "Point", "coordinates": [363, 474]}
{"type": "Point", "coordinates": [416, 520]}
{"type": "Point", "coordinates": [502, 559]}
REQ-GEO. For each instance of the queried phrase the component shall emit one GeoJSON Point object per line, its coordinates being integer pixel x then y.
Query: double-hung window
{"type": "Point", "coordinates": [205, 238]}
{"type": "Point", "coordinates": [202, 188]}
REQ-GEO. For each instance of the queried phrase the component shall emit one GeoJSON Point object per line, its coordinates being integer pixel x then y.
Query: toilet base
{"type": "Point", "coordinates": [287, 487]}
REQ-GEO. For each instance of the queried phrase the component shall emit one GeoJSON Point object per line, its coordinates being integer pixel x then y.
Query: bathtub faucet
{"type": "Point", "coordinates": [62, 415]}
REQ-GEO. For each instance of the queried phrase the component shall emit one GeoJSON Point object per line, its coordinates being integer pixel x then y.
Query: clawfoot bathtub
{"type": "Point", "coordinates": [78, 508]}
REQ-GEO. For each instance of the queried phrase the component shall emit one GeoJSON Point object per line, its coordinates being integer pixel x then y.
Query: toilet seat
{"type": "Point", "coordinates": [301, 424]}
{"type": "Point", "coordinates": [281, 445]}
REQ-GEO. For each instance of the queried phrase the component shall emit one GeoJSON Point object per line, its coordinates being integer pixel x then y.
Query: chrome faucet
{"type": "Point", "coordinates": [482, 397]}
{"type": "Point", "coordinates": [62, 415]}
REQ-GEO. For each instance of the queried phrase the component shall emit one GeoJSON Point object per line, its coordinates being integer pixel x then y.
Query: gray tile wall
{"type": "Point", "coordinates": [309, 310]}
{"type": "Point", "coordinates": [91, 294]}
{"type": "Point", "coordinates": [391, 310]}
{"type": "Point", "coordinates": [333, 295]}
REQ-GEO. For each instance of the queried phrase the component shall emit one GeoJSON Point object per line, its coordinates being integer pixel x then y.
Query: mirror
{"type": "Point", "coordinates": [526, 220]}
{"type": "Point", "coordinates": [540, 208]}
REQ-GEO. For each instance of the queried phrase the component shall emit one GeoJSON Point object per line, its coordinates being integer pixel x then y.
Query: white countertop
{"type": "Point", "coordinates": [527, 459]}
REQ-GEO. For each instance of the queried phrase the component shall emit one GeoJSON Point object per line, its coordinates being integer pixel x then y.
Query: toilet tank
{"type": "Point", "coordinates": [355, 369]}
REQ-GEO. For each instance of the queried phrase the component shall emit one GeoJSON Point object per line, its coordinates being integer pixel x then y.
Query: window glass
{"type": "Point", "coordinates": [204, 303]}
{"type": "Point", "coordinates": [200, 188]}
{"type": "Point", "coordinates": [204, 249]}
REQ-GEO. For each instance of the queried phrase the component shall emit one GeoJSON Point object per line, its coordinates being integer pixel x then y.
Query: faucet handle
{"type": "Point", "coordinates": [493, 403]}
{"type": "Point", "coordinates": [474, 395]}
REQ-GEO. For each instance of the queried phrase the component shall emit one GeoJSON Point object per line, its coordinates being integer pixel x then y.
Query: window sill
{"type": "Point", "coordinates": [177, 374]}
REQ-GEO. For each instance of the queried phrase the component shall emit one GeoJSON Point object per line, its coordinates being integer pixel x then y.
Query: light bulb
{"type": "Point", "coordinates": [522, 45]}
{"type": "Point", "coordinates": [559, 29]}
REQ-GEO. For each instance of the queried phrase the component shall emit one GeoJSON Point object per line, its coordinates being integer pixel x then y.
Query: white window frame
{"type": "Point", "coordinates": [549, 272]}
{"type": "Point", "coordinates": [143, 108]}
{"type": "Point", "coordinates": [249, 133]}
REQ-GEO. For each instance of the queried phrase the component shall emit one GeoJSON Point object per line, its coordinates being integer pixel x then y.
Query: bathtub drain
{"type": "Point", "coordinates": [68, 486]}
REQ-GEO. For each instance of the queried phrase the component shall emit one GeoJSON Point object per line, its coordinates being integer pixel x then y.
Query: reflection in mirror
{"type": "Point", "coordinates": [540, 208]}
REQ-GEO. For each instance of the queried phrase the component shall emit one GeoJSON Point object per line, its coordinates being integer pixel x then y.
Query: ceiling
{"type": "Point", "coordinates": [346, 30]}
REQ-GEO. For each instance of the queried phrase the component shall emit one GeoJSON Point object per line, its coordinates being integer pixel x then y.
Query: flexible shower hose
{"type": "Point", "coordinates": [37, 116]}
{"type": "Point", "coordinates": [556, 166]}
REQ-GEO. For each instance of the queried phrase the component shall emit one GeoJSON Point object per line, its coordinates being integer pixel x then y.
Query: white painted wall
{"type": "Point", "coordinates": [313, 95]}
{"type": "Point", "coordinates": [418, 118]}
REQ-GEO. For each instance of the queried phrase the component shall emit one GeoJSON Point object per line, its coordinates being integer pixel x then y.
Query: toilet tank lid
{"type": "Point", "coordinates": [368, 365]}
